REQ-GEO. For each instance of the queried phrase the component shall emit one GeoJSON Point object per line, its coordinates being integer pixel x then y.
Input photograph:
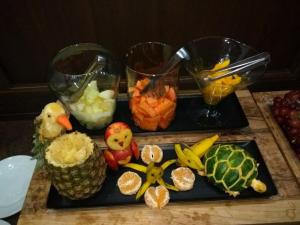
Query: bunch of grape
{"type": "Point", "coordinates": [286, 111]}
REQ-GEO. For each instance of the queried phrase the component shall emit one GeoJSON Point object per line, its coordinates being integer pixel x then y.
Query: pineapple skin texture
{"type": "Point", "coordinates": [79, 181]}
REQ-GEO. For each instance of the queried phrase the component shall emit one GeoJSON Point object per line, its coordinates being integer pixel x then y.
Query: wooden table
{"type": "Point", "coordinates": [282, 208]}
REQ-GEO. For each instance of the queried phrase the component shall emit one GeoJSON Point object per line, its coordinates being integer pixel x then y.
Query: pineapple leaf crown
{"type": "Point", "coordinates": [39, 146]}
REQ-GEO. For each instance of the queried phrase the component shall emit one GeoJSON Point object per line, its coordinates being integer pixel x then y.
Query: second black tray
{"type": "Point", "coordinates": [203, 190]}
{"type": "Point", "coordinates": [190, 116]}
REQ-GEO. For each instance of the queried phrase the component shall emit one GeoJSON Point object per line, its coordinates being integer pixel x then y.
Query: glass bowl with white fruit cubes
{"type": "Point", "coordinates": [85, 77]}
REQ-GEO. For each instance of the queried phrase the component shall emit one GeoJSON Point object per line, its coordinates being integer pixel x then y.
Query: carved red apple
{"type": "Point", "coordinates": [109, 158]}
{"type": "Point", "coordinates": [121, 145]}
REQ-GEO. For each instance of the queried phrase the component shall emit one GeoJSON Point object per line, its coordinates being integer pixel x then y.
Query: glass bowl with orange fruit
{"type": "Point", "coordinates": [221, 65]}
{"type": "Point", "coordinates": [152, 94]}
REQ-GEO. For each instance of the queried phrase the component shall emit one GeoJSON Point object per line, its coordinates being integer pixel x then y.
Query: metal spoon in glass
{"type": "Point", "coordinates": [174, 60]}
{"type": "Point", "coordinates": [97, 64]}
{"type": "Point", "coordinates": [237, 67]}
{"type": "Point", "coordinates": [167, 67]}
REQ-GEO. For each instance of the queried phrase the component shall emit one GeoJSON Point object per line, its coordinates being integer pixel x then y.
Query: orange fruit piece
{"type": "Point", "coordinates": [149, 112]}
{"type": "Point", "coordinates": [183, 178]}
{"type": "Point", "coordinates": [129, 183]}
{"type": "Point", "coordinates": [157, 197]}
{"type": "Point", "coordinates": [151, 153]}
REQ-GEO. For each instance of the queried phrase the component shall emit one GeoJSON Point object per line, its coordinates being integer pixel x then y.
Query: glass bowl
{"type": "Point", "coordinates": [152, 94]}
{"type": "Point", "coordinates": [85, 77]}
{"type": "Point", "coordinates": [213, 53]}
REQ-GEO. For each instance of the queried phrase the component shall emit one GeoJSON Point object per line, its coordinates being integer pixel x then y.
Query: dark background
{"type": "Point", "coordinates": [32, 31]}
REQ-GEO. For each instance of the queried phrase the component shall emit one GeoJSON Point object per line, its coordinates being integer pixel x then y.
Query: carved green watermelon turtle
{"type": "Point", "coordinates": [232, 169]}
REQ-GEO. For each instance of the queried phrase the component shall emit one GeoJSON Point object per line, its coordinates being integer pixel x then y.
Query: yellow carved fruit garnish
{"type": "Point", "coordinates": [154, 174]}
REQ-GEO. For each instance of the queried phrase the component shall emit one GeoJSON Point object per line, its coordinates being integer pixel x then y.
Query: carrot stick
{"type": "Point", "coordinates": [64, 121]}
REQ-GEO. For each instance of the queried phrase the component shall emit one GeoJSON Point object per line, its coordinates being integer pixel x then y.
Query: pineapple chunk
{"type": "Point", "coordinates": [69, 150]}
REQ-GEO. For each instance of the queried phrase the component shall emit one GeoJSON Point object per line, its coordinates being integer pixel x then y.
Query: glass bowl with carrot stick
{"type": "Point", "coordinates": [152, 94]}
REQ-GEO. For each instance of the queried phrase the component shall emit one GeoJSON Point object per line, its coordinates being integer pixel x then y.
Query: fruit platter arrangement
{"type": "Point", "coordinates": [85, 80]}
{"type": "Point", "coordinates": [82, 174]}
{"type": "Point", "coordinates": [286, 111]}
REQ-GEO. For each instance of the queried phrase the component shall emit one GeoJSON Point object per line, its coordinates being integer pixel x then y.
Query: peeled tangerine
{"type": "Point", "coordinates": [151, 153]}
{"type": "Point", "coordinates": [129, 183]}
{"type": "Point", "coordinates": [157, 197]}
{"type": "Point", "coordinates": [183, 178]}
{"type": "Point", "coordinates": [151, 112]}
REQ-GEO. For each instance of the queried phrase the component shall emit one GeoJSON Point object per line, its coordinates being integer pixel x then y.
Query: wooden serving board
{"type": "Point", "coordinates": [264, 100]}
{"type": "Point", "coordinates": [281, 208]}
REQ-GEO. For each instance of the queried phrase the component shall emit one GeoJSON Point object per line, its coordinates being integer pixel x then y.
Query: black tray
{"type": "Point", "coordinates": [203, 190]}
{"type": "Point", "coordinates": [189, 116]}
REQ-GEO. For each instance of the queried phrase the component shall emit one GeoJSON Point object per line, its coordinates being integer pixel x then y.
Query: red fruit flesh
{"type": "Point", "coordinates": [109, 158]}
{"type": "Point", "coordinates": [121, 154]}
{"type": "Point", "coordinates": [115, 128]}
{"type": "Point", "coordinates": [135, 149]}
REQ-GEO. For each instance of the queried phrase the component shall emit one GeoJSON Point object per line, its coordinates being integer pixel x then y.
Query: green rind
{"type": "Point", "coordinates": [229, 167]}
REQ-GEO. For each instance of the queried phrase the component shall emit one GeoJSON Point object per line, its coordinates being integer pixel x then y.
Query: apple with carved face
{"type": "Point", "coordinates": [121, 145]}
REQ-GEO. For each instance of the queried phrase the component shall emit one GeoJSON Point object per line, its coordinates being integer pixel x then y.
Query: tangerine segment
{"type": "Point", "coordinates": [157, 197]}
{"type": "Point", "coordinates": [129, 183]}
{"type": "Point", "coordinates": [151, 153]}
{"type": "Point", "coordinates": [183, 178]}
